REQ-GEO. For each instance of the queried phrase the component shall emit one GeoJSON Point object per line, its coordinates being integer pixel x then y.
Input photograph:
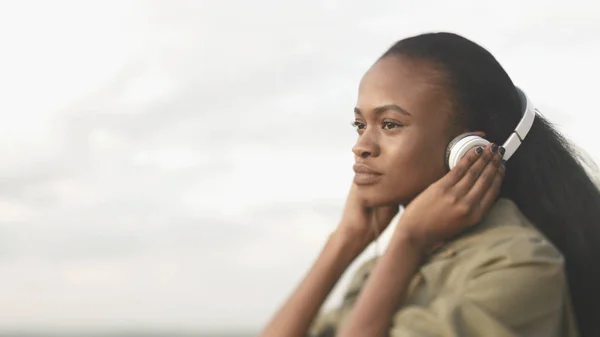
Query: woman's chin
{"type": "Point", "coordinates": [373, 199]}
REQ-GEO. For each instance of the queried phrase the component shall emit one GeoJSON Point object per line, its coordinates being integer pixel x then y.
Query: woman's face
{"type": "Point", "coordinates": [402, 117]}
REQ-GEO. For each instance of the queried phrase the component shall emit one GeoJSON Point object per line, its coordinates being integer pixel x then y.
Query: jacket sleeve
{"type": "Point", "coordinates": [325, 324]}
{"type": "Point", "coordinates": [514, 288]}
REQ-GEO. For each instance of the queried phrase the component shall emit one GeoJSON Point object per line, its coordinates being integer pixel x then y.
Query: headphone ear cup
{"type": "Point", "coordinates": [460, 145]}
{"type": "Point", "coordinates": [451, 145]}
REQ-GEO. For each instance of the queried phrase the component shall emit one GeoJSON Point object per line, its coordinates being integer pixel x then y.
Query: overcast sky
{"type": "Point", "coordinates": [179, 164]}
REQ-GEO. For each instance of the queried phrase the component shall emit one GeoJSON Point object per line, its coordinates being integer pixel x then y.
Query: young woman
{"type": "Point", "coordinates": [485, 247]}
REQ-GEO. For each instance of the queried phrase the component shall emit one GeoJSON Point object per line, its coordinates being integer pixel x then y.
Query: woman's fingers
{"type": "Point", "coordinates": [484, 186]}
{"type": "Point", "coordinates": [475, 170]}
{"type": "Point", "coordinates": [477, 178]}
{"type": "Point", "coordinates": [492, 193]}
{"type": "Point", "coordinates": [462, 167]}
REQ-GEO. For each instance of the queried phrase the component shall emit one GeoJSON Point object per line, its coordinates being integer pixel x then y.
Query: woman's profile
{"type": "Point", "coordinates": [485, 246]}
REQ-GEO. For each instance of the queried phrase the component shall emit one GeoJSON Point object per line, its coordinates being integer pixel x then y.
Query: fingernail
{"type": "Point", "coordinates": [479, 149]}
{"type": "Point", "coordinates": [501, 150]}
{"type": "Point", "coordinates": [494, 148]}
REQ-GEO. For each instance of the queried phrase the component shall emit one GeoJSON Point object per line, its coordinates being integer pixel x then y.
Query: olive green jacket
{"type": "Point", "coordinates": [501, 279]}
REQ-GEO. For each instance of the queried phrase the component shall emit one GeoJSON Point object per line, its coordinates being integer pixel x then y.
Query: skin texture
{"type": "Point", "coordinates": [407, 150]}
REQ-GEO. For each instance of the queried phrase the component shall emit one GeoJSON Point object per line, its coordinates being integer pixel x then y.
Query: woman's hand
{"type": "Point", "coordinates": [456, 202]}
{"type": "Point", "coordinates": [363, 224]}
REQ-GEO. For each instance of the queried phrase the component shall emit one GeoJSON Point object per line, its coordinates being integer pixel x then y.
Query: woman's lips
{"type": "Point", "coordinates": [365, 175]}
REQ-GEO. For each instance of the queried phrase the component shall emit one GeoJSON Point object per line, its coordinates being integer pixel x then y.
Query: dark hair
{"type": "Point", "coordinates": [546, 177]}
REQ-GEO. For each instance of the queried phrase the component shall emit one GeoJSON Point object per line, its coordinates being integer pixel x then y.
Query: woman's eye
{"type": "Point", "coordinates": [358, 125]}
{"type": "Point", "coordinates": [390, 125]}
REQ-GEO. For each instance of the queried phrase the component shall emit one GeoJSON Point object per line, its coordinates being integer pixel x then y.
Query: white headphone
{"type": "Point", "coordinates": [460, 145]}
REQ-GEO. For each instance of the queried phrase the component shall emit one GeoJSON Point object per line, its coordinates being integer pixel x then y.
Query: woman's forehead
{"type": "Point", "coordinates": [413, 85]}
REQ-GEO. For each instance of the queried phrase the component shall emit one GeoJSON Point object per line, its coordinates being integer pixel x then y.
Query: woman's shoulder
{"type": "Point", "coordinates": [506, 249]}
{"type": "Point", "coordinates": [504, 271]}
{"type": "Point", "coordinates": [505, 233]}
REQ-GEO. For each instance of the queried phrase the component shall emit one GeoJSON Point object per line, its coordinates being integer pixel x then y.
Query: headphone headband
{"type": "Point", "coordinates": [460, 145]}
{"type": "Point", "coordinates": [522, 129]}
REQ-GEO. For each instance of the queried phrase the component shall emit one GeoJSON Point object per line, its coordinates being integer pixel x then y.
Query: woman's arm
{"type": "Point", "coordinates": [297, 314]}
{"type": "Point", "coordinates": [386, 287]}
{"type": "Point", "coordinates": [352, 236]}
